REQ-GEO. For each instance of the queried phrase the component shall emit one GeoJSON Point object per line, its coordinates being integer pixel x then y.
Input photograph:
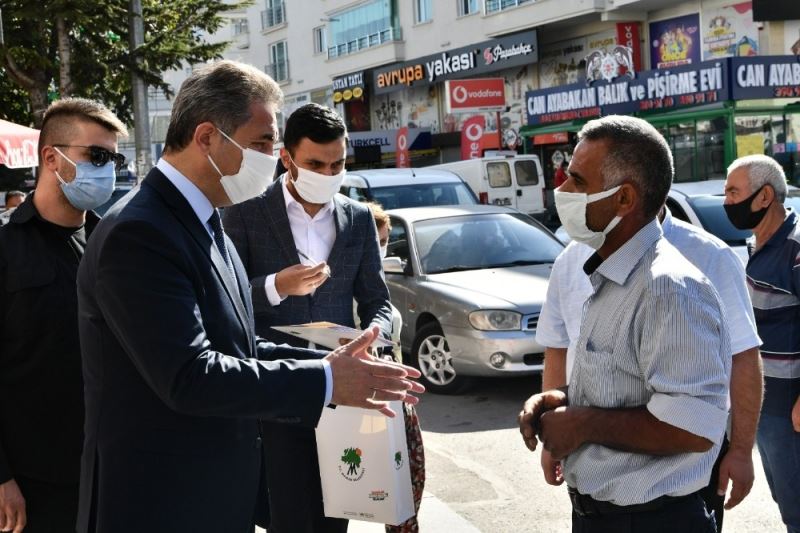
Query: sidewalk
{"type": "Point", "coordinates": [434, 515]}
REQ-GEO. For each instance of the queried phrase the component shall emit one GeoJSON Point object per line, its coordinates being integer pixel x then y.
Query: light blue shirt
{"type": "Point", "coordinates": [203, 209]}
{"type": "Point", "coordinates": [652, 335]}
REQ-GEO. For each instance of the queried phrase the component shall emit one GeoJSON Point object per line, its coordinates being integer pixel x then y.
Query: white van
{"type": "Point", "coordinates": [516, 181]}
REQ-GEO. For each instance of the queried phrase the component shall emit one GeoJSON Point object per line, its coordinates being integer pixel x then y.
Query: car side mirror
{"type": "Point", "coordinates": [393, 265]}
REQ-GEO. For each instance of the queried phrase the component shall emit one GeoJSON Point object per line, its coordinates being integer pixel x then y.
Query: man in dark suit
{"type": "Point", "coordinates": [175, 378]}
{"type": "Point", "coordinates": [300, 219]}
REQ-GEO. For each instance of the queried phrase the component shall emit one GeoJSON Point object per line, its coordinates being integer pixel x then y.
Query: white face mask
{"type": "Point", "coordinates": [253, 177]}
{"type": "Point", "coordinates": [571, 207]}
{"type": "Point", "coordinates": [314, 187]}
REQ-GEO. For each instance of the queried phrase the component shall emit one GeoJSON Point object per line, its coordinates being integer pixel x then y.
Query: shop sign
{"type": "Point", "coordinates": [560, 137]}
{"type": "Point", "coordinates": [653, 89]}
{"type": "Point", "coordinates": [601, 65]}
{"type": "Point", "coordinates": [348, 87]}
{"type": "Point", "coordinates": [401, 154]}
{"type": "Point", "coordinates": [472, 137]}
{"type": "Point", "coordinates": [475, 95]}
{"type": "Point", "coordinates": [765, 77]}
{"type": "Point", "coordinates": [416, 139]}
{"type": "Point", "coordinates": [628, 35]}
{"type": "Point", "coordinates": [729, 31]}
{"type": "Point", "coordinates": [488, 56]}
{"type": "Point", "coordinates": [675, 42]}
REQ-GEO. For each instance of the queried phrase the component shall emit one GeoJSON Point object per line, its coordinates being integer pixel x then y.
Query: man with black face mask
{"type": "Point", "coordinates": [41, 390]}
{"type": "Point", "coordinates": [754, 194]}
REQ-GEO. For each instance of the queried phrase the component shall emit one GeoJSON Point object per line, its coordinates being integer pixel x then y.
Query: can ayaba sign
{"type": "Point", "coordinates": [488, 56]}
{"type": "Point", "coordinates": [765, 77]}
{"type": "Point", "coordinates": [348, 87]}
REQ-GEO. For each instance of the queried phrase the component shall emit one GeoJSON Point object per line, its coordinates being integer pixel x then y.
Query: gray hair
{"type": "Point", "coordinates": [222, 93]}
{"type": "Point", "coordinates": [762, 170]}
{"type": "Point", "coordinates": [637, 152]}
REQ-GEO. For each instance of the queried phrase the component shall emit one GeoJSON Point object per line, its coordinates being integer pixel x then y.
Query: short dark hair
{"type": "Point", "coordinates": [221, 93]}
{"type": "Point", "coordinates": [58, 124]}
{"type": "Point", "coordinates": [316, 122]}
{"type": "Point", "coordinates": [636, 152]}
{"type": "Point", "coordinates": [12, 194]}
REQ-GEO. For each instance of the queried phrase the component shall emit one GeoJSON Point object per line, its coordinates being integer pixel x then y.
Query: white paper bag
{"type": "Point", "coordinates": [363, 465]}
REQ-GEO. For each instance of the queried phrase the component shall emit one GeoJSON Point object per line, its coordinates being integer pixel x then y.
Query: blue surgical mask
{"type": "Point", "coordinates": [92, 186]}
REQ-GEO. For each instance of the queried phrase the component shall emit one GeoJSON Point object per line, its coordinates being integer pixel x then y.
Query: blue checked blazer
{"type": "Point", "coordinates": [259, 228]}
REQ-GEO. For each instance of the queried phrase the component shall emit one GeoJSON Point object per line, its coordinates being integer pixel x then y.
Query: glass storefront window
{"type": "Point", "coordinates": [682, 142]}
{"type": "Point", "coordinates": [776, 135]}
{"type": "Point", "coordinates": [711, 148]}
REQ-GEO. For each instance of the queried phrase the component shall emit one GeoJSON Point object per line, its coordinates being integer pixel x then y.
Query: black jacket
{"type": "Point", "coordinates": [41, 389]}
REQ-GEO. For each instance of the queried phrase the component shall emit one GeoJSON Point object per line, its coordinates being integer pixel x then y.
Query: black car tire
{"type": "Point", "coordinates": [430, 353]}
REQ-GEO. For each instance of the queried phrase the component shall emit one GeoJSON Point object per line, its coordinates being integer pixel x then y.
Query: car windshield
{"type": "Point", "coordinates": [473, 242]}
{"type": "Point", "coordinates": [423, 195]}
{"type": "Point", "coordinates": [714, 220]}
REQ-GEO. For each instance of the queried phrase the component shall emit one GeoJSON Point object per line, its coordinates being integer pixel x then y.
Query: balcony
{"type": "Point", "coordinates": [274, 16]}
{"type": "Point", "coordinates": [278, 71]}
{"type": "Point", "coordinates": [364, 42]}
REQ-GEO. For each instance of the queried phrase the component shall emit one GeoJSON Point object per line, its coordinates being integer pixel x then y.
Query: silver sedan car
{"type": "Point", "coordinates": [469, 282]}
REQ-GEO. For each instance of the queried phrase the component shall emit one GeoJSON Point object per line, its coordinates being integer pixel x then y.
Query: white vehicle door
{"type": "Point", "coordinates": [501, 184]}
{"type": "Point", "coordinates": [529, 186]}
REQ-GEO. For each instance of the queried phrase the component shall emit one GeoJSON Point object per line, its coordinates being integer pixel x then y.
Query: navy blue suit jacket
{"type": "Point", "coordinates": [175, 379]}
{"type": "Point", "coordinates": [263, 237]}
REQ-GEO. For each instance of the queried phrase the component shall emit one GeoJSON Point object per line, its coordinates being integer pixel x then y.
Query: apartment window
{"type": "Point", "coordinates": [319, 40]}
{"type": "Point", "coordinates": [273, 15]}
{"type": "Point", "coordinates": [423, 10]}
{"type": "Point", "coordinates": [240, 26]}
{"type": "Point", "coordinates": [279, 66]}
{"type": "Point", "coordinates": [499, 5]}
{"type": "Point", "coordinates": [370, 24]}
{"type": "Point", "coordinates": [468, 7]}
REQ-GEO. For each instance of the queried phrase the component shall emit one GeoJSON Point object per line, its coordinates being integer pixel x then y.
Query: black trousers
{"type": "Point", "coordinates": [295, 491]}
{"type": "Point", "coordinates": [715, 503]}
{"type": "Point", "coordinates": [50, 508]}
{"type": "Point", "coordinates": [687, 515]}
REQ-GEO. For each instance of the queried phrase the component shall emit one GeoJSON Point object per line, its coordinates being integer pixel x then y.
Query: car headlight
{"type": "Point", "coordinates": [496, 320]}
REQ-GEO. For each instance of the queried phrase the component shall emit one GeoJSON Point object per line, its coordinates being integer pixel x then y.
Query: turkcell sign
{"type": "Point", "coordinates": [488, 56]}
{"type": "Point", "coordinates": [766, 77]}
{"type": "Point", "coordinates": [681, 86]}
{"type": "Point", "coordinates": [474, 95]}
{"type": "Point", "coordinates": [416, 139]}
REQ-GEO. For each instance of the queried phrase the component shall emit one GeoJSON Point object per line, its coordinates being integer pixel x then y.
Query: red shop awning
{"type": "Point", "coordinates": [18, 145]}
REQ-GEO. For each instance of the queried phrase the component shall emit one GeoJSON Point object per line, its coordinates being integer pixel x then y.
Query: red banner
{"type": "Point", "coordinates": [628, 35]}
{"type": "Point", "coordinates": [561, 137]}
{"type": "Point", "coordinates": [479, 94]}
{"type": "Point", "coordinates": [471, 135]}
{"type": "Point", "coordinates": [18, 145]}
{"type": "Point", "coordinates": [401, 153]}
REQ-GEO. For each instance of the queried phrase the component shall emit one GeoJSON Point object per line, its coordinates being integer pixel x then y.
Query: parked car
{"type": "Point", "coordinates": [469, 282]}
{"type": "Point", "coordinates": [512, 180]}
{"type": "Point", "coordinates": [407, 187]}
{"type": "Point", "coordinates": [701, 203]}
{"type": "Point", "coordinates": [119, 191]}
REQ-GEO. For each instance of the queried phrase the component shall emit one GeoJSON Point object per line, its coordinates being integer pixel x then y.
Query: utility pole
{"type": "Point", "coordinates": [141, 113]}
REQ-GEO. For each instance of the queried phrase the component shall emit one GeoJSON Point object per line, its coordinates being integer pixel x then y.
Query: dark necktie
{"type": "Point", "coordinates": [219, 239]}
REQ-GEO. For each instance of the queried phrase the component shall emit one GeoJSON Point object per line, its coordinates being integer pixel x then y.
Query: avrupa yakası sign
{"type": "Point", "coordinates": [653, 89]}
{"type": "Point", "coordinates": [488, 56]}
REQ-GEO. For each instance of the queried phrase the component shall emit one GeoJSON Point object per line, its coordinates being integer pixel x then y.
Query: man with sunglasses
{"type": "Point", "coordinates": [41, 388]}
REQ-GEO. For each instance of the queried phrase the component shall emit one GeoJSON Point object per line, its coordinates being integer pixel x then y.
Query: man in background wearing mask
{"type": "Point", "coordinates": [642, 420]}
{"type": "Point", "coordinates": [175, 378]}
{"type": "Point", "coordinates": [755, 191]}
{"type": "Point", "coordinates": [41, 390]}
{"type": "Point", "coordinates": [308, 253]}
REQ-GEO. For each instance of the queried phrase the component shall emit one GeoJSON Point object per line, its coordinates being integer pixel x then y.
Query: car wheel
{"type": "Point", "coordinates": [431, 355]}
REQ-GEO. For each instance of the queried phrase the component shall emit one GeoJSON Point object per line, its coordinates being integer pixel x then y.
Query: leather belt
{"type": "Point", "coordinates": [586, 506]}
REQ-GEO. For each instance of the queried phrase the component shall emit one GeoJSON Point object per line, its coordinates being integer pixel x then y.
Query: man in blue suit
{"type": "Point", "coordinates": [299, 225]}
{"type": "Point", "coordinates": [175, 378]}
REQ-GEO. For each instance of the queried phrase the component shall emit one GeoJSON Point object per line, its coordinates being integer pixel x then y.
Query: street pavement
{"type": "Point", "coordinates": [480, 476]}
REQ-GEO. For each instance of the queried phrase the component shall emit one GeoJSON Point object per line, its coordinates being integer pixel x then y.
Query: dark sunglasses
{"type": "Point", "coordinates": [98, 155]}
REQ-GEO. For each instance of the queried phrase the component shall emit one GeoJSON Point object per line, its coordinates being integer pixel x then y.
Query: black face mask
{"type": "Point", "coordinates": [740, 214]}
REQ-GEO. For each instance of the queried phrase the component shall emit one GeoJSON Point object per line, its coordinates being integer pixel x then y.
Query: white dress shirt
{"type": "Point", "coordinates": [203, 209]}
{"type": "Point", "coordinates": [313, 236]}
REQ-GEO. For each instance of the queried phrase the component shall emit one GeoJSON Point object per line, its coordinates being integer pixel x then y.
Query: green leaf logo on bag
{"type": "Point", "coordinates": [352, 459]}
{"type": "Point", "coordinates": [398, 460]}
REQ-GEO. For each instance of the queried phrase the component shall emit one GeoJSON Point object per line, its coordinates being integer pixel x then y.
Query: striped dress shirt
{"type": "Point", "coordinates": [652, 335]}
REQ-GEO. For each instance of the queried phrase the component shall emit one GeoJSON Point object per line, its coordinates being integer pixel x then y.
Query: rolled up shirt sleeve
{"type": "Point", "coordinates": [685, 359]}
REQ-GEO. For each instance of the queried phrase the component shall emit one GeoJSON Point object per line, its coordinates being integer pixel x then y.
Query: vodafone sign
{"type": "Point", "coordinates": [473, 95]}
